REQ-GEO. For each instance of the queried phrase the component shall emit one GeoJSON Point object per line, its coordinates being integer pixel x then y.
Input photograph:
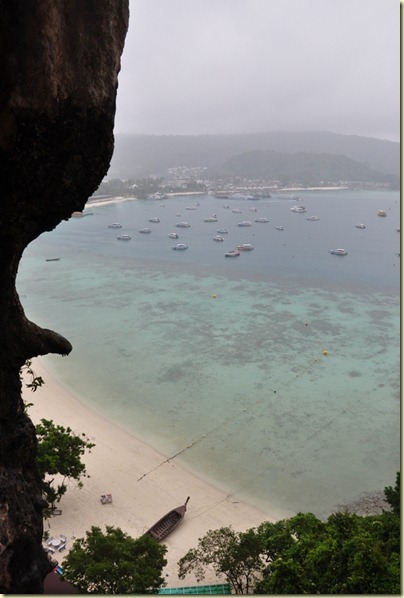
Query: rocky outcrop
{"type": "Point", "coordinates": [59, 62]}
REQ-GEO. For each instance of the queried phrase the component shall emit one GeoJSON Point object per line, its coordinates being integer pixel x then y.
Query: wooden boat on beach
{"type": "Point", "coordinates": [168, 523]}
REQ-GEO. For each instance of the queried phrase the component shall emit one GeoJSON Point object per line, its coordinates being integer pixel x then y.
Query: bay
{"type": "Point", "coordinates": [275, 374]}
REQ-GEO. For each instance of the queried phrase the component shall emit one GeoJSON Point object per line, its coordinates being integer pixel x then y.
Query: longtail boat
{"type": "Point", "coordinates": [168, 523]}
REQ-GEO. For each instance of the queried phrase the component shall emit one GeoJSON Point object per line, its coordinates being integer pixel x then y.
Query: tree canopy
{"type": "Point", "coordinates": [115, 563]}
{"type": "Point", "coordinates": [346, 554]}
{"type": "Point", "coordinates": [59, 452]}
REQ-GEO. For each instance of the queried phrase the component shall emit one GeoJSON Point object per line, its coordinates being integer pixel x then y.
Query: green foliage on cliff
{"type": "Point", "coordinates": [59, 458]}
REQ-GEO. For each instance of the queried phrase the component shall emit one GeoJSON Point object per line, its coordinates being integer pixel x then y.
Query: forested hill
{"type": "Point", "coordinates": [139, 155]}
{"type": "Point", "coordinates": [304, 168]}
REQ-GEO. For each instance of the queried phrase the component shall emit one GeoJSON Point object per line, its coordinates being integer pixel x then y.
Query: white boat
{"type": "Point", "coordinates": [180, 246]}
{"type": "Point", "coordinates": [173, 235]}
{"type": "Point", "coordinates": [236, 211]}
{"type": "Point", "coordinates": [145, 230]}
{"type": "Point", "coordinates": [339, 252]}
{"type": "Point", "coordinates": [123, 238]}
{"type": "Point", "coordinates": [223, 231]}
{"type": "Point", "coordinates": [154, 219]}
{"type": "Point", "coordinates": [381, 213]}
{"type": "Point", "coordinates": [299, 209]}
{"type": "Point", "coordinates": [280, 227]}
{"type": "Point", "coordinates": [261, 220]}
{"type": "Point", "coordinates": [253, 210]}
{"type": "Point", "coordinates": [115, 225]}
{"type": "Point", "coordinates": [245, 223]}
{"type": "Point", "coordinates": [182, 225]}
{"type": "Point", "coordinates": [232, 253]}
{"type": "Point", "coordinates": [211, 219]}
{"type": "Point", "coordinates": [218, 238]}
{"type": "Point", "coordinates": [312, 218]}
{"type": "Point", "coordinates": [360, 225]}
{"type": "Point", "coordinates": [245, 247]}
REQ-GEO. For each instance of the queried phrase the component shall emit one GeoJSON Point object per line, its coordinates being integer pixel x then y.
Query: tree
{"type": "Point", "coordinates": [237, 555]}
{"type": "Point", "coordinates": [59, 452]}
{"type": "Point", "coordinates": [115, 563]}
{"type": "Point", "coordinates": [393, 495]}
{"type": "Point", "coordinates": [347, 554]}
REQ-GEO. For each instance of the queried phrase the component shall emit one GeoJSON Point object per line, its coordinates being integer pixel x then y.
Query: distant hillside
{"type": "Point", "coordinates": [305, 168]}
{"type": "Point", "coordinates": [141, 155]}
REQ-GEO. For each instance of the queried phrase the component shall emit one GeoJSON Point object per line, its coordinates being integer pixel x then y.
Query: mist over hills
{"type": "Point", "coordinates": [143, 155]}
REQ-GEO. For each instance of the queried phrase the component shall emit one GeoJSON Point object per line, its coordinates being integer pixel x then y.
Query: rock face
{"type": "Point", "coordinates": [59, 62]}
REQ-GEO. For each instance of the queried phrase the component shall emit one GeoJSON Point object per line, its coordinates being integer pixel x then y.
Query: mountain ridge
{"type": "Point", "coordinates": [142, 155]}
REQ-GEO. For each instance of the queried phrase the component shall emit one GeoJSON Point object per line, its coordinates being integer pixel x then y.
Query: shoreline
{"type": "Point", "coordinates": [115, 465]}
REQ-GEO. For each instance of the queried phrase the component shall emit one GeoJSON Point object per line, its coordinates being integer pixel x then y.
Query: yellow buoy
{"type": "Point", "coordinates": [214, 296]}
{"type": "Point", "coordinates": [325, 352]}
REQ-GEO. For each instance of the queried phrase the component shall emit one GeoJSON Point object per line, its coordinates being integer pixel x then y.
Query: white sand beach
{"type": "Point", "coordinates": [115, 466]}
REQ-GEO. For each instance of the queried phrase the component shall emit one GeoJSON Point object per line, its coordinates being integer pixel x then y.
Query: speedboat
{"type": "Point", "coordinates": [245, 247]}
{"type": "Point", "coordinates": [232, 253]}
{"type": "Point", "coordinates": [154, 219]}
{"type": "Point", "coordinates": [180, 246]}
{"type": "Point", "coordinates": [298, 209]}
{"type": "Point", "coordinates": [339, 252]}
{"type": "Point", "coordinates": [115, 225]}
{"type": "Point", "coordinates": [280, 227]}
{"type": "Point", "coordinates": [182, 225]}
{"type": "Point", "coordinates": [145, 230]}
{"type": "Point", "coordinates": [261, 220]}
{"type": "Point", "coordinates": [222, 231]}
{"type": "Point", "coordinates": [360, 225]}
{"type": "Point", "coordinates": [218, 238]}
{"type": "Point", "coordinates": [173, 235]}
{"type": "Point", "coordinates": [123, 238]}
{"type": "Point", "coordinates": [245, 223]}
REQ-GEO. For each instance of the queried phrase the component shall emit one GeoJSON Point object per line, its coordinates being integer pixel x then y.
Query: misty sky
{"type": "Point", "coordinates": [195, 67]}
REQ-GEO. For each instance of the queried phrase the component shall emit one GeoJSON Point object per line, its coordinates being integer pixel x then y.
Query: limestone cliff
{"type": "Point", "coordinates": [59, 63]}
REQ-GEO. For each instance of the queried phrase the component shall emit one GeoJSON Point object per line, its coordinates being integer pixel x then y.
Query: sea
{"type": "Point", "coordinates": [275, 374]}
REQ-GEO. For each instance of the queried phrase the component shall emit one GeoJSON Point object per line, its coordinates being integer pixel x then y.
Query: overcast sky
{"type": "Point", "coordinates": [195, 67]}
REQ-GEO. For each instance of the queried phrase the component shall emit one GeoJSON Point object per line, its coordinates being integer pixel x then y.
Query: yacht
{"type": "Point", "coordinates": [261, 220]}
{"type": "Point", "coordinates": [154, 219]}
{"type": "Point", "coordinates": [299, 209]}
{"type": "Point", "coordinates": [180, 246]}
{"type": "Point", "coordinates": [145, 230]}
{"type": "Point", "coordinates": [115, 225]}
{"type": "Point", "coordinates": [360, 225]}
{"type": "Point", "coordinates": [245, 223]}
{"type": "Point", "coordinates": [339, 252]}
{"type": "Point", "coordinates": [182, 225]}
{"type": "Point", "coordinates": [218, 238]}
{"type": "Point", "coordinates": [173, 235]}
{"type": "Point", "coordinates": [123, 238]}
{"type": "Point", "coordinates": [245, 247]}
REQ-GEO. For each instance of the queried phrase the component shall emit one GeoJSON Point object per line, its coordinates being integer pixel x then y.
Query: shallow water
{"type": "Point", "coordinates": [225, 355]}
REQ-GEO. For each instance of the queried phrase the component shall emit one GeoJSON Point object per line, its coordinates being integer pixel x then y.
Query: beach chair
{"type": "Point", "coordinates": [63, 538]}
{"type": "Point", "coordinates": [62, 547]}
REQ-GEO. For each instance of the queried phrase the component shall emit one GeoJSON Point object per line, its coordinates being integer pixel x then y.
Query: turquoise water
{"type": "Point", "coordinates": [221, 359]}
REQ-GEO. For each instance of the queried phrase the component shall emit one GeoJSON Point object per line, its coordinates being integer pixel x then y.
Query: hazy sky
{"type": "Point", "coordinates": [239, 66]}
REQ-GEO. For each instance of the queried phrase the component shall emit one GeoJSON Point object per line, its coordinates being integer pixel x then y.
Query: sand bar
{"type": "Point", "coordinates": [116, 463]}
